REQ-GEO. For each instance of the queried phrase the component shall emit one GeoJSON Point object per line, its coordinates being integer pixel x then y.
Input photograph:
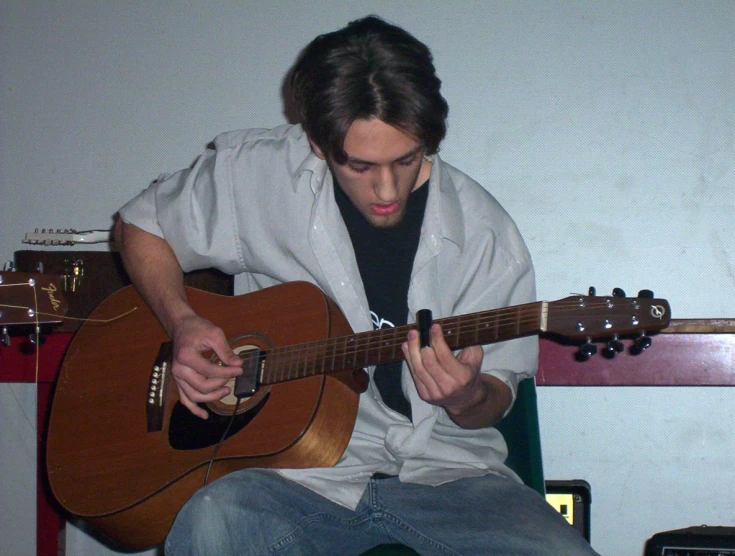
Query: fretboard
{"type": "Point", "coordinates": [383, 346]}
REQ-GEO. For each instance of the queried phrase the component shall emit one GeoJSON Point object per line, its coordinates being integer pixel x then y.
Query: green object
{"type": "Point", "coordinates": [521, 431]}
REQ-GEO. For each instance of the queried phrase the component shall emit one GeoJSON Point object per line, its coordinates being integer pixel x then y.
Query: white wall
{"type": "Point", "coordinates": [606, 128]}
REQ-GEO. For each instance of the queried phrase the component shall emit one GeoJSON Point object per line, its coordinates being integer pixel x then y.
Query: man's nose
{"type": "Point", "coordinates": [386, 186]}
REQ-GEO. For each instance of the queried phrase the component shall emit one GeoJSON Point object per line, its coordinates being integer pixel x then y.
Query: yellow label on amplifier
{"type": "Point", "coordinates": [564, 504]}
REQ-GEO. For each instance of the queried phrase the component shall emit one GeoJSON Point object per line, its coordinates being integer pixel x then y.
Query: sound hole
{"type": "Point", "coordinates": [251, 348]}
{"type": "Point", "coordinates": [187, 432]}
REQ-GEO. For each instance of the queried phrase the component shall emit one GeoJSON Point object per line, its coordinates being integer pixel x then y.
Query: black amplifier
{"type": "Point", "coordinates": [693, 541]}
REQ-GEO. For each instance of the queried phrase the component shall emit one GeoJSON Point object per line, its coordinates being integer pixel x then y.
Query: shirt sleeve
{"type": "Point", "coordinates": [193, 211]}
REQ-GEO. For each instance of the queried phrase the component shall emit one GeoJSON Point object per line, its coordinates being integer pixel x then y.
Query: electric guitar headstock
{"type": "Point", "coordinates": [592, 318]}
{"type": "Point", "coordinates": [28, 301]}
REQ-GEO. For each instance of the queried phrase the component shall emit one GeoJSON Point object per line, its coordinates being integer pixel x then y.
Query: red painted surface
{"type": "Point", "coordinates": [674, 359]}
{"type": "Point", "coordinates": [18, 364]}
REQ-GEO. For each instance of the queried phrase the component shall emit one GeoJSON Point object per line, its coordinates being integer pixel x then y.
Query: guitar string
{"type": "Point", "coordinates": [519, 315]}
{"type": "Point", "coordinates": [496, 315]}
{"type": "Point", "coordinates": [38, 346]}
{"type": "Point", "coordinates": [360, 346]}
{"type": "Point", "coordinates": [317, 355]}
{"type": "Point", "coordinates": [463, 324]}
{"type": "Point", "coordinates": [65, 317]}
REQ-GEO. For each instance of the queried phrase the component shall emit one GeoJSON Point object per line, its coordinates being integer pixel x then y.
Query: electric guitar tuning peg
{"type": "Point", "coordinates": [592, 291]}
{"type": "Point", "coordinates": [647, 294]}
{"type": "Point", "coordinates": [617, 292]}
{"type": "Point", "coordinates": [5, 337]}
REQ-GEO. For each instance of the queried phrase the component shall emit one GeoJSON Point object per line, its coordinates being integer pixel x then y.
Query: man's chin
{"type": "Point", "coordinates": [385, 222]}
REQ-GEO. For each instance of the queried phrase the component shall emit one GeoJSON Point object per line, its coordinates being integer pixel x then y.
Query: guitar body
{"type": "Point", "coordinates": [128, 471]}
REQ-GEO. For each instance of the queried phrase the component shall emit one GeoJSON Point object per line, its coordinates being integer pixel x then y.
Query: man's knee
{"type": "Point", "coordinates": [211, 516]}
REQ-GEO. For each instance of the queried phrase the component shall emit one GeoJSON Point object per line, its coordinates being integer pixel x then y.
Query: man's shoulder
{"type": "Point", "coordinates": [287, 134]}
{"type": "Point", "coordinates": [481, 214]}
{"type": "Point", "coordinates": [471, 195]}
{"type": "Point", "coordinates": [279, 152]}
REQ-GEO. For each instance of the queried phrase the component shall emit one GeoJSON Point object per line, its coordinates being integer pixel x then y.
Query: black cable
{"type": "Point", "coordinates": [221, 441]}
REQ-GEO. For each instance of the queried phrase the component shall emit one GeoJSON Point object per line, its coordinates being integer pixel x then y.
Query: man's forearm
{"type": "Point", "coordinates": [493, 399]}
{"type": "Point", "coordinates": [155, 272]}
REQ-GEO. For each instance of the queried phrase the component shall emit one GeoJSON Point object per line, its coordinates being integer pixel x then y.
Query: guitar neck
{"type": "Point", "coordinates": [383, 346]}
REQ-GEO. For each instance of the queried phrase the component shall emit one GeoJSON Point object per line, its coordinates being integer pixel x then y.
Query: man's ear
{"type": "Point", "coordinates": [316, 149]}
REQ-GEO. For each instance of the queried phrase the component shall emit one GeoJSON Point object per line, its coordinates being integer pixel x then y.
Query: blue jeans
{"type": "Point", "coordinates": [258, 512]}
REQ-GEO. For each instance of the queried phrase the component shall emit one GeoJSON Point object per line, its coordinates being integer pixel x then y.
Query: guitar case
{"type": "Point", "coordinates": [89, 277]}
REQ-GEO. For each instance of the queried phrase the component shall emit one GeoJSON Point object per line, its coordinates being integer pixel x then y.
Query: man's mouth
{"type": "Point", "coordinates": [384, 210]}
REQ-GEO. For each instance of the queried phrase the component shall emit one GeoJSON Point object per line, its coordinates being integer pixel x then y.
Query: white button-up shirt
{"type": "Point", "coordinates": [260, 205]}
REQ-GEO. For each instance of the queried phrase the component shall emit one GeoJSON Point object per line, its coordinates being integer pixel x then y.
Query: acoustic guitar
{"type": "Point", "coordinates": [124, 454]}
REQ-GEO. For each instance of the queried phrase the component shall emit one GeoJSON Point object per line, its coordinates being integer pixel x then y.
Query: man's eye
{"type": "Point", "coordinates": [359, 169]}
{"type": "Point", "coordinates": [407, 162]}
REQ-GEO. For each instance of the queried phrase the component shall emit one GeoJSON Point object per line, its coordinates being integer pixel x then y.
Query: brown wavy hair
{"type": "Point", "coordinates": [368, 69]}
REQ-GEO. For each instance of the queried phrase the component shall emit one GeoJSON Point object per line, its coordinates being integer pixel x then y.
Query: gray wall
{"type": "Point", "coordinates": [606, 128]}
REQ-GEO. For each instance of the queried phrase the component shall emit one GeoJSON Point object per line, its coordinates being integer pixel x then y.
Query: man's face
{"type": "Point", "coordinates": [384, 165]}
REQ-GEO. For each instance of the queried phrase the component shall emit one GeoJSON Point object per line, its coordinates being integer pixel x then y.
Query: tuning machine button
{"type": "Point", "coordinates": [614, 346]}
{"type": "Point", "coordinates": [37, 338]}
{"type": "Point", "coordinates": [641, 344]}
{"type": "Point", "coordinates": [586, 350]}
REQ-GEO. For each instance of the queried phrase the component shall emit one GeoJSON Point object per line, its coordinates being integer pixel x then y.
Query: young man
{"type": "Point", "coordinates": [356, 200]}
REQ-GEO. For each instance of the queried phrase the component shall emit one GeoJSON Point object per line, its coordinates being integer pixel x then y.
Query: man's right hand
{"type": "Point", "coordinates": [197, 377]}
{"type": "Point", "coordinates": [155, 271]}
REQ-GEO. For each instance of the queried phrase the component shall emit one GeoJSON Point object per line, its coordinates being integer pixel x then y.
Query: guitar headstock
{"type": "Point", "coordinates": [592, 317]}
{"type": "Point", "coordinates": [66, 237]}
{"type": "Point", "coordinates": [29, 299]}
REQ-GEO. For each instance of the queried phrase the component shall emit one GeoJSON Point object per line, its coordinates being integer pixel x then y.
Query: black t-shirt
{"type": "Point", "coordinates": [385, 258]}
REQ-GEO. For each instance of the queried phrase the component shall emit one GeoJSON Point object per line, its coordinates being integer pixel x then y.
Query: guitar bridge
{"type": "Point", "coordinates": [157, 387]}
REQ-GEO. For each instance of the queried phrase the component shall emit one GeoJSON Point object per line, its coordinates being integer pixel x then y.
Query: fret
{"type": "Point", "coordinates": [365, 347]}
{"type": "Point", "coordinates": [386, 345]}
{"type": "Point", "coordinates": [333, 357]}
{"type": "Point", "coordinates": [321, 356]}
{"type": "Point", "coordinates": [352, 350]}
{"type": "Point", "coordinates": [476, 327]}
{"type": "Point", "coordinates": [452, 328]}
{"type": "Point", "coordinates": [307, 361]}
{"type": "Point", "coordinates": [271, 363]}
{"type": "Point", "coordinates": [344, 341]}
{"type": "Point", "coordinates": [297, 357]}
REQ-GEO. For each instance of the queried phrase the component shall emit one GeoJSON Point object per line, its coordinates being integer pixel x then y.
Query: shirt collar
{"type": "Point", "coordinates": [312, 169]}
{"type": "Point", "coordinates": [444, 202]}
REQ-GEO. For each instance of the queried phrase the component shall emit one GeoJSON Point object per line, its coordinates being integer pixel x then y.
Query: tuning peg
{"type": "Point", "coordinates": [648, 294]}
{"type": "Point", "coordinates": [37, 338]}
{"type": "Point", "coordinates": [586, 350]}
{"type": "Point", "coordinates": [617, 292]}
{"type": "Point", "coordinates": [614, 347]}
{"type": "Point", "coordinates": [592, 291]}
{"type": "Point", "coordinates": [641, 344]}
{"type": "Point", "coordinates": [5, 337]}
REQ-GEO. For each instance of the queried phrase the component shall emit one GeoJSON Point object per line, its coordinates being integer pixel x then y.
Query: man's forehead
{"type": "Point", "coordinates": [407, 155]}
